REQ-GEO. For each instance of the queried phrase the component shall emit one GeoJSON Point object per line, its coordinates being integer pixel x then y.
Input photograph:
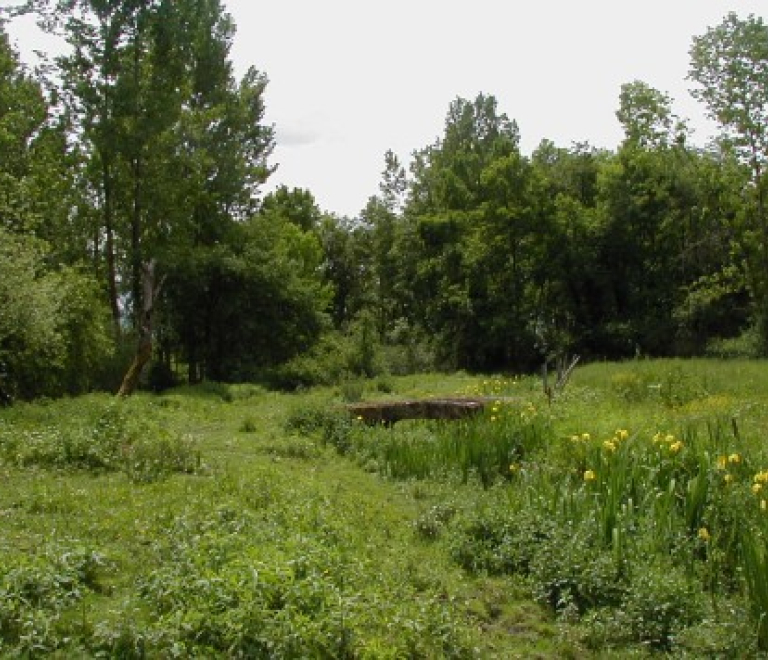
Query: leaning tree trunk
{"type": "Point", "coordinates": [144, 348]}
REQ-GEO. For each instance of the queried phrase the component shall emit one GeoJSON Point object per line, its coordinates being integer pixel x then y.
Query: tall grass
{"type": "Point", "coordinates": [488, 448]}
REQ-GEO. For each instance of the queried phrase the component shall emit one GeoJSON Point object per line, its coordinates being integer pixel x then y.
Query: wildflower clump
{"type": "Point", "coordinates": [759, 482]}
{"type": "Point", "coordinates": [668, 442]}
{"type": "Point", "coordinates": [620, 436]}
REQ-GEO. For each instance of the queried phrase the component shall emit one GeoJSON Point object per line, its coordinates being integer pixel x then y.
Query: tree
{"type": "Point", "coordinates": [296, 205]}
{"type": "Point", "coordinates": [248, 303]}
{"type": "Point", "coordinates": [174, 146]}
{"type": "Point", "coordinates": [730, 64]}
{"type": "Point", "coordinates": [52, 336]}
{"type": "Point", "coordinates": [481, 239]}
{"type": "Point", "coordinates": [23, 120]}
{"type": "Point", "coordinates": [53, 325]}
{"type": "Point", "coordinates": [647, 117]}
{"type": "Point", "coordinates": [382, 229]}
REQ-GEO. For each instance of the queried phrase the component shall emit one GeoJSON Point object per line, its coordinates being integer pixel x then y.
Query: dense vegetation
{"type": "Point", "coordinates": [139, 146]}
{"type": "Point", "coordinates": [624, 518]}
{"type": "Point", "coordinates": [624, 514]}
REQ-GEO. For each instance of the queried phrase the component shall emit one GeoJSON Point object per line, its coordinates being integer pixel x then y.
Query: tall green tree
{"type": "Point", "coordinates": [482, 235]}
{"type": "Point", "coordinates": [730, 64]}
{"type": "Point", "coordinates": [52, 337]}
{"type": "Point", "coordinates": [174, 146]}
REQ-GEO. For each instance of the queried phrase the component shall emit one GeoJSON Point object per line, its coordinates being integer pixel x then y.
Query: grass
{"type": "Point", "coordinates": [227, 521]}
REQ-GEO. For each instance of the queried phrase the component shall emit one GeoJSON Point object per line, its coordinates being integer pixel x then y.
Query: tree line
{"type": "Point", "coordinates": [140, 146]}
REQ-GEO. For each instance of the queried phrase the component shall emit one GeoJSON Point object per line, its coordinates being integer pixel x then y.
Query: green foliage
{"type": "Point", "coordinates": [35, 591]}
{"type": "Point", "coordinates": [333, 424]}
{"type": "Point", "coordinates": [296, 599]}
{"type": "Point", "coordinates": [250, 303]}
{"type": "Point", "coordinates": [481, 449]}
{"type": "Point", "coordinates": [661, 601]}
{"type": "Point", "coordinates": [432, 522]}
{"type": "Point", "coordinates": [54, 333]}
{"type": "Point", "coordinates": [730, 63]}
{"type": "Point", "coordinates": [746, 345]}
{"type": "Point", "coordinates": [755, 552]}
{"type": "Point", "coordinates": [636, 541]}
{"type": "Point", "coordinates": [112, 439]}
{"type": "Point", "coordinates": [336, 359]}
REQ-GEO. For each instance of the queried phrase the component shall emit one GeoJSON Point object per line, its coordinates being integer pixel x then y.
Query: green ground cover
{"type": "Point", "coordinates": [625, 519]}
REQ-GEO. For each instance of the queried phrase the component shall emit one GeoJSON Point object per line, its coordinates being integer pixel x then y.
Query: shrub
{"type": "Point", "coordinates": [632, 387]}
{"type": "Point", "coordinates": [660, 602]}
{"type": "Point", "coordinates": [334, 424]}
{"type": "Point", "coordinates": [570, 571]}
{"type": "Point", "coordinates": [35, 592]}
{"type": "Point", "coordinates": [326, 363]}
{"type": "Point", "coordinates": [500, 542]}
{"type": "Point", "coordinates": [115, 439]}
{"type": "Point", "coordinates": [430, 524]}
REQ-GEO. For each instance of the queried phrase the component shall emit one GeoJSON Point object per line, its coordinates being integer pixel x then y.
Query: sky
{"type": "Point", "coordinates": [350, 79]}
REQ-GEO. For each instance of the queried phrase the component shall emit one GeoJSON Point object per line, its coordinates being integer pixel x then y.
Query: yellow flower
{"type": "Point", "coordinates": [763, 505]}
{"type": "Point", "coordinates": [722, 462]}
{"type": "Point", "coordinates": [359, 418]}
{"type": "Point", "coordinates": [657, 438]}
{"type": "Point", "coordinates": [493, 418]}
{"type": "Point", "coordinates": [756, 488]}
{"type": "Point", "coordinates": [728, 478]}
{"type": "Point", "coordinates": [704, 534]}
{"type": "Point", "coordinates": [734, 458]}
{"type": "Point", "coordinates": [622, 434]}
{"type": "Point", "coordinates": [762, 477]}
{"type": "Point", "coordinates": [610, 446]}
{"type": "Point", "coordinates": [676, 447]}
{"type": "Point", "coordinates": [585, 437]}
{"type": "Point", "coordinates": [514, 467]}
{"type": "Point", "coordinates": [575, 438]}
{"type": "Point", "coordinates": [669, 438]}
{"type": "Point", "coordinates": [589, 475]}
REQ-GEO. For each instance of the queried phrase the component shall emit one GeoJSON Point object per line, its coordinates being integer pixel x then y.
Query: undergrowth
{"type": "Point", "coordinates": [626, 518]}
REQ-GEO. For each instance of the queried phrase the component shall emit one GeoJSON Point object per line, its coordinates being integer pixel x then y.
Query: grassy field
{"type": "Point", "coordinates": [626, 518]}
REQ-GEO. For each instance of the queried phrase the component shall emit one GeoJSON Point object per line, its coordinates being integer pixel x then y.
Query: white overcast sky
{"type": "Point", "coordinates": [350, 79]}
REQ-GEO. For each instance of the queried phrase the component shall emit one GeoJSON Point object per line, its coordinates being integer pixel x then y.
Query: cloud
{"type": "Point", "coordinates": [296, 136]}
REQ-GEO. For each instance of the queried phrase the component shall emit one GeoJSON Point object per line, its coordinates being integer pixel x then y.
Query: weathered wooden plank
{"type": "Point", "coordinates": [389, 412]}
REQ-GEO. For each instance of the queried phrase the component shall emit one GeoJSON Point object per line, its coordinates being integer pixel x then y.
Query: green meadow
{"type": "Point", "coordinates": [626, 517]}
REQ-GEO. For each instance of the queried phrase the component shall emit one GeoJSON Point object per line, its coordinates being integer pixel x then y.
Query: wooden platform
{"type": "Point", "coordinates": [389, 412]}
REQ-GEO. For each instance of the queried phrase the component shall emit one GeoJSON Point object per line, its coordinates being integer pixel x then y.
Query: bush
{"type": "Point", "coordinates": [334, 425]}
{"type": "Point", "coordinates": [161, 377]}
{"type": "Point", "coordinates": [326, 363]}
{"type": "Point", "coordinates": [431, 523]}
{"type": "Point", "coordinates": [747, 345]}
{"type": "Point", "coordinates": [661, 601]}
{"type": "Point", "coordinates": [570, 572]}
{"type": "Point", "coordinates": [497, 542]}
{"type": "Point", "coordinates": [36, 590]}
{"type": "Point", "coordinates": [115, 439]}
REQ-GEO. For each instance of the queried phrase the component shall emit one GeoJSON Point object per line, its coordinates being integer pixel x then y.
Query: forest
{"type": "Point", "coordinates": [138, 156]}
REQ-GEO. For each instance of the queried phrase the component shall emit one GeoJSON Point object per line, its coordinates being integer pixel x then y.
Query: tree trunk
{"type": "Point", "coordinates": [144, 348]}
{"type": "Point", "coordinates": [110, 251]}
